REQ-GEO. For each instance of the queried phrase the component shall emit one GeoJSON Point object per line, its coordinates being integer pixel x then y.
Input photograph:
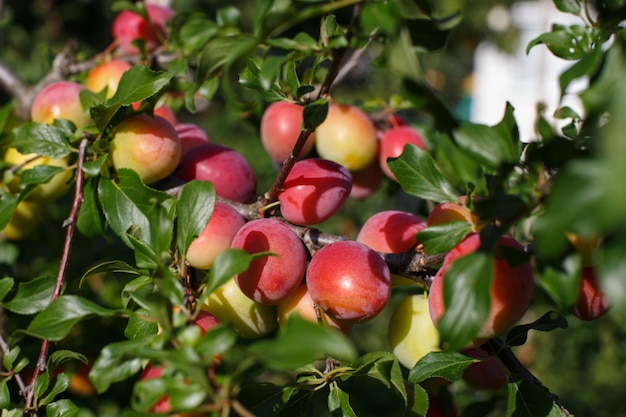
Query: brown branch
{"type": "Point", "coordinates": [506, 356]}
{"type": "Point", "coordinates": [70, 223]}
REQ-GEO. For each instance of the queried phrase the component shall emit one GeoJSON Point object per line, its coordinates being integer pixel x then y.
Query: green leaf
{"type": "Point", "coordinates": [528, 400]}
{"type": "Point", "coordinates": [562, 282]}
{"type": "Point", "coordinates": [8, 202]}
{"type": "Point", "coordinates": [300, 342]}
{"type": "Point", "coordinates": [90, 218]}
{"type": "Point", "coordinates": [138, 84]}
{"type": "Point", "coordinates": [518, 335]}
{"type": "Point", "coordinates": [339, 401]}
{"type": "Point", "coordinates": [32, 296]}
{"type": "Point", "coordinates": [402, 57]}
{"type": "Point", "coordinates": [58, 319]}
{"type": "Point", "coordinates": [61, 382]}
{"type": "Point", "coordinates": [9, 357]}
{"type": "Point", "coordinates": [62, 408]}
{"type": "Point", "coordinates": [127, 203]}
{"type": "Point", "coordinates": [138, 326]}
{"type": "Point", "coordinates": [6, 284]}
{"type": "Point", "coordinates": [196, 32]}
{"type": "Point", "coordinates": [425, 98]}
{"type": "Point", "coordinates": [61, 356]}
{"type": "Point", "coordinates": [5, 394]}
{"type": "Point", "coordinates": [217, 341]}
{"type": "Point", "coordinates": [42, 139]}
{"type": "Point", "coordinates": [419, 401]}
{"type": "Point", "coordinates": [314, 114]}
{"type": "Point", "coordinates": [193, 211]}
{"type": "Point", "coordinates": [586, 66]}
{"type": "Point", "coordinates": [41, 174]}
{"type": "Point", "coordinates": [491, 146]}
{"type": "Point", "coordinates": [441, 238]}
{"type": "Point", "coordinates": [221, 51]}
{"type": "Point", "coordinates": [466, 297]}
{"type": "Point", "coordinates": [117, 362]}
{"type": "Point", "coordinates": [114, 267]}
{"type": "Point", "coordinates": [446, 365]}
{"type": "Point", "coordinates": [225, 266]}
{"type": "Point", "coordinates": [569, 6]}
{"type": "Point", "coordinates": [419, 176]}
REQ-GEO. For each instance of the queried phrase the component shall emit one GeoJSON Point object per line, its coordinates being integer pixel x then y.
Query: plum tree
{"type": "Point", "coordinates": [511, 288]}
{"type": "Point", "coordinates": [148, 145]}
{"type": "Point", "coordinates": [347, 136]}
{"type": "Point", "coordinates": [60, 100]}
{"type": "Point", "coordinates": [228, 171]}
{"type": "Point", "coordinates": [354, 291]}
{"type": "Point", "coordinates": [280, 127]}
{"type": "Point", "coordinates": [314, 191]}
{"type": "Point", "coordinates": [271, 278]}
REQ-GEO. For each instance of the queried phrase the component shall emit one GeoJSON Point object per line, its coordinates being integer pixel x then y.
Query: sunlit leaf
{"type": "Point", "coordinates": [446, 365]}
{"type": "Point", "coordinates": [193, 211]}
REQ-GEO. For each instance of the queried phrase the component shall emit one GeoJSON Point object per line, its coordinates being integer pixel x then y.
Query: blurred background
{"type": "Point", "coordinates": [484, 65]}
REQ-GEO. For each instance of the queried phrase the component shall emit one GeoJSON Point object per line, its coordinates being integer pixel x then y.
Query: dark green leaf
{"type": "Point", "coordinates": [467, 300]}
{"type": "Point", "coordinates": [500, 207]}
{"type": "Point", "coordinates": [424, 98]}
{"type": "Point", "coordinates": [127, 203]}
{"type": "Point", "coordinates": [9, 357]}
{"type": "Point", "coordinates": [402, 57]}
{"type": "Point", "coordinates": [61, 356]}
{"type": "Point", "coordinates": [6, 284]}
{"type": "Point", "coordinates": [217, 341]}
{"type": "Point", "coordinates": [90, 218]}
{"type": "Point", "coordinates": [32, 296]}
{"type": "Point", "coordinates": [300, 342]}
{"type": "Point", "coordinates": [62, 408]}
{"type": "Point", "coordinates": [193, 212]}
{"type": "Point", "coordinates": [61, 382]}
{"type": "Point", "coordinates": [196, 32]}
{"type": "Point", "coordinates": [114, 267]}
{"type": "Point", "coordinates": [5, 394]}
{"type": "Point", "coordinates": [8, 202]}
{"type": "Point", "coordinates": [585, 67]}
{"type": "Point", "coordinates": [138, 84]}
{"type": "Point", "coordinates": [418, 175]}
{"type": "Point", "coordinates": [339, 402]}
{"type": "Point", "coordinates": [561, 282]}
{"type": "Point", "coordinates": [492, 146]}
{"type": "Point", "coordinates": [314, 114]}
{"type": "Point", "coordinates": [117, 362]}
{"type": "Point", "coordinates": [568, 6]}
{"type": "Point", "coordinates": [518, 335]}
{"type": "Point", "coordinates": [41, 139]}
{"type": "Point", "coordinates": [223, 50]}
{"type": "Point", "coordinates": [58, 319]}
{"type": "Point", "coordinates": [446, 365]}
{"type": "Point", "coordinates": [225, 266]}
{"type": "Point", "coordinates": [419, 401]}
{"type": "Point", "coordinates": [140, 326]}
{"type": "Point", "coordinates": [441, 238]}
{"type": "Point", "coordinates": [526, 399]}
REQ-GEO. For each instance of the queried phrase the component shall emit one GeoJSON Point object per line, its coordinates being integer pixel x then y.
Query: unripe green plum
{"type": "Point", "coordinates": [347, 136]}
{"type": "Point", "coordinates": [250, 319]}
{"type": "Point", "coordinates": [148, 145]}
{"type": "Point", "coordinates": [280, 128]}
{"type": "Point", "coordinates": [23, 221]}
{"type": "Point", "coordinates": [392, 144]}
{"type": "Point", "coordinates": [270, 279]}
{"type": "Point", "coordinates": [53, 189]}
{"type": "Point", "coordinates": [106, 75]}
{"type": "Point", "coordinates": [216, 237]}
{"type": "Point", "coordinates": [412, 333]}
{"type": "Point", "coordinates": [60, 100]}
{"type": "Point", "coordinates": [349, 281]}
{"type": "Point", "coordinates": [511, 288]}
{"type": "Point", "coordinates": [315, 190]}
{"type": "Point", "coordinates": [129, 26]}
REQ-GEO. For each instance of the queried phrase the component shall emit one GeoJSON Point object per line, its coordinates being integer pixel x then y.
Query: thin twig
{"type": "Point", "coordinates": [70, 223]}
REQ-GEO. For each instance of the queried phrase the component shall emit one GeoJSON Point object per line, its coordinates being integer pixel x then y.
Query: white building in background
{"type": "Point", "coordinates": [524, 80]}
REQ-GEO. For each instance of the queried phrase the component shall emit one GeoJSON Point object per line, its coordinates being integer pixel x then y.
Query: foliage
{"type": "Point", "coordinates": [108, 264]}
